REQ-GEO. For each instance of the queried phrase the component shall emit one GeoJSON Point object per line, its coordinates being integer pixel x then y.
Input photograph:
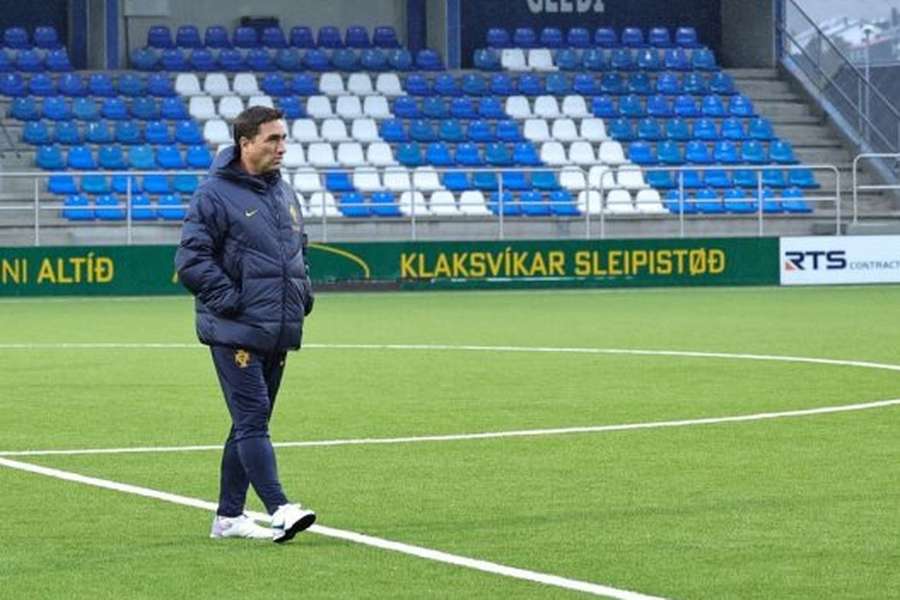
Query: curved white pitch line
{"type": "Point", "coordinates": [485, 435]}
{"type": "Point", "coordinates": [467, 348]}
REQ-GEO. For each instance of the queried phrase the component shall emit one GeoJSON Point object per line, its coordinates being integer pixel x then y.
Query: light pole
{"type": "Point", "coordinates": [867, 31]}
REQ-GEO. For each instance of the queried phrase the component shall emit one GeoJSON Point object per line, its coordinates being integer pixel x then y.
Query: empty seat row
{"type": "Point", "coordinates": [275, 84]}
{"type": "Point", "coordinates": [560, 84]}
{"type": "Point", "coordinates": [682, 130]}
{"type": "Point", "coordinates": [724, 152]}
{"type": "Point", "coordinates": [45, 37]}
{"type": "Point", "coordinates": [738, 201]}
{"type": "Point", "coordinates": [109, 207]}
{"type": "Point", "coordinates": [114, 158]}
{"type": "Point", "coordinates": [58, 108]}
{"type": "Point", "coordinates": [581, 37]}
{"type": "Point", "coordinates": [725, 178]}
{"type": "Point", "coordinates": [346, 107]}
{"type": "Point", "coordinates": [75, 85]}
{"type": "Point", "coordinates": [290, 59]}
{"type": "Point", "coordinates": [658, 105]}
{"type": "Point", "coordinates": [122, 184]}
{"type": "Point", "coordinates": [103, 132]}
{"type": "Point", "coordinates": [35, 61]}
{"type": "Point", "coordinates": [620, 59]}
{"type": "Point", "coordinates": [300, 36]}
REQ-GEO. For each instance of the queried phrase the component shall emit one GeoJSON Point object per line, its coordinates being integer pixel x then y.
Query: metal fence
{"type": "Point", "coordinates": [857, 187]}
{"type": "Point", "coordinates": [590, 205]}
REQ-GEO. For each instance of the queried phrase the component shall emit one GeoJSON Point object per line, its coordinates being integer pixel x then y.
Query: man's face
{"type": "Point", "coordinates": [264, 152]}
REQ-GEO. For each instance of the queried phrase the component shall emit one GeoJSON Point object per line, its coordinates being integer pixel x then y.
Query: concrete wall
{"type": "Point", "coordinates": [313, 13]}
{"type": "Point", "coordinates": [748, 33]}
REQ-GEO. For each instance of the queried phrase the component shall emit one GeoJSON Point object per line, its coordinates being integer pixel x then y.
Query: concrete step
{"type": "Point", "coordinates": [775, 109]}
{"type": "Point", "coordinates": [807, 135]}
{"type": "Point", "coordinates": [742, 74]}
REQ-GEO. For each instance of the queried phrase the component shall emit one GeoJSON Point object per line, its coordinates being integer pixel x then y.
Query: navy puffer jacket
{"type": "Point", "coordinates": [242, 255]}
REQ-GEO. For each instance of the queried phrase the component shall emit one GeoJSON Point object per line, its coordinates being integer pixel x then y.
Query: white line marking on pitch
{"type": "Point", "coordinates": [350, 536]}
{"type": "Point", "coordinates": [468, 348]}
{"type": "Point", "coordinates": [486, 435]}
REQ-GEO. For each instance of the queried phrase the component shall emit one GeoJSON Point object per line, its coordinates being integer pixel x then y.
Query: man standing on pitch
{"type": "Point", "coordinates": [242, 255]}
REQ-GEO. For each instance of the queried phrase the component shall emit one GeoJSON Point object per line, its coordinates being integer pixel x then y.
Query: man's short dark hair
{"type": "Point", "coordinates": [247, 123]}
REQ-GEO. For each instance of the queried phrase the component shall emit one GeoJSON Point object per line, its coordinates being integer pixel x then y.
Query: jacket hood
{"type": "Point", "coordinates": [225, 165]}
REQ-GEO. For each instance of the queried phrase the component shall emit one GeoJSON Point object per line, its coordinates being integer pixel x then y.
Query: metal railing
{"type": "Point", "coordinates": [862, 107]}
{"type": "Point", "coordinates": [869, 187]}
{"type": "Point", "coordinates": [589, 204]}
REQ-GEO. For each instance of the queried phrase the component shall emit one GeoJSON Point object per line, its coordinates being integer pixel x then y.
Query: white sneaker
{"type": "Point", "coordinates": [239, 527]}
{"type": "Point", "coordinates": [289, 520]}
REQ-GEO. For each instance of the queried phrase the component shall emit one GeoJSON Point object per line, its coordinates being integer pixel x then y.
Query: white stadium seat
{"type": "Point", "coordinates": [334, 130]}
{"type": "Point", "coordinates": [513, 59]}
{"type": "Point", "coordinates": [245, 84]}
{"type": "Point", "coordinates": [540, 59]}
{"type": "Point", "coordinates": [201, 108]}
{"type": "Point", "coordinates": [307, 180]}
{"type": "Point", "coordinates": [611, 153]}
{"type": "Point", "coordinates": [260, 100]}
{"type": "Point", "coordinates": [364, 130]}
{"type": "Point", "coordinates": [359, 84]}
{"type": "Point", "coordinates": [304, 130]}
{"type": "Point", "coordinates": [593, 130]}
{"type": "Point", "coordinates": [319, 107]}
{"type": "Point", "coordinates": [216, 131]}
{"type": "Point", "coordinates": [631, 177]}
{"type": "Point", "coordinates": [388, 84]}
{"type": "Point", "coordinates": [601, 176]}
{"type": "Point", "coordinates": [379, 154]}
{"type": "Point", "coordinates": [546, 107]}
{"type": "Point", "coordinates": [517, 107]}
{"type": "Point", "coordinates": [618, 202]}
{"type": "Point", "coordinates": [425, 179]}
{"type": "Point", "coordinates": [323, 202]}
{"type": "Point", "coordinates": [648, 202]}
{"type": "Point", "coordinates": [536, 130]}
{"type": "Point", "coordinates": [187, 84]}
{"type": "Point", "coordinates": [230, 107]}
{"type": "Point", "coordinates": [575, 107]}
{"type": "Point", "coordinates": [572, 179]}
{"type": "Point", "coordinates": [348, 107]}
{"type": "Point", "coordinates": [216, 84]}
{"type": "Point", "coordinates": [321, 155]}
{"type": "Point", "coordinates": [367, 180]}
{"type": "Point", "coordinates": [331, 84]}
{"type": "Point", "coordinates": [471, 202]}
{"type": "Point", "coordinates": [377, 107]}
{"type": "Point", "coordinates": [443, 203]}
{"type": "Point", "coordinates": [590, 201]}
{"type": "Point", "coordinates": [350, 154]}
{"type": "Point", "coordinates": [396, 179]}
{"type": "Point", "coordinates": [564, 130]}
{"type": "Point", "coordinates": [582, 153]}
{"type": "Point", "coordinates": [413, 203]}
{"type": "Point", "coordinates": [553, 154]}
{"type": "Point", "coordinates": [293, 156]}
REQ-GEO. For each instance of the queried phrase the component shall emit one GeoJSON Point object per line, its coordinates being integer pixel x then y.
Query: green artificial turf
{"type": "Point", "coordinates": [792, 508]}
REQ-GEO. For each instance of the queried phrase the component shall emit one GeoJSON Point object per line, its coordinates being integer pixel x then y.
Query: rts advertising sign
{"type": "Point", "coordinates": [835, 260]}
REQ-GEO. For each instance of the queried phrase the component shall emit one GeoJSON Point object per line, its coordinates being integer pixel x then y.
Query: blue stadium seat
{"type": "Point", "coordinates": [260, 60]}
{"type": "Point", "coordinates": [705, 129]}
{"type": "Point", "coordinates": [676, 59]}
{"type": "Point", "coordinates": [142, 158]}
{"type": "Point", "coordinates": [420, 130]}
{"type": "Point", "coordinates": [594, 59]}
{"type": "Point", "coordinates": [502, 84]}
{"type": "Point", "coordinates": [703, 59]}
{"type": "Point", "coordinates": [188, 36]}
{"type": "Point", "coordinates": [291, 107]}
{"type": "Point", "coordinates": [357, 36]}
{"type": "Point", "coordinates": [585, 84]}
{"type": "Point", "coordinates": [746, 178]}
{"type": "Point", "coordinates": [145, 108]}
{"type": "Point", "coordinates": [578, 37]}
{"type": "Point", "coordinates": [12, 84]}
{"type": "Point", "coordinates": [686, 37]}
{"type": "Point", "coordinates": [198, 156]}
{"type": "Point", "coordinates": [740, 106]}
{"type": "Point", "coordinates": [639, 83]}
{"type": "Point", "coordinates": [508, 131]}
{"type": "Point", "coordinates": [406, 107]}
{"type": "Point", "coordinates": [650, 130]}
{"type": "Point", "coordinates": [487, 59]}
{"type": "Point", "coordinates": [316, 60]}
{"type": "Point", "coordinates": [304, 84]}
{"type": "Point", "coordinates": [101, 84]}
{"type": "Point", "coordinates": [67, 133]}
{"type": "Point", "coordinates": [57, 61]}
{"type": "Point", "coordinates": [392, 130]}
{"type": "Point", "coordinates": [604, 107]}
{"type": "Point", "coordinates": [50, 158]}
{"type": "Point", "coordinates": [171, 208]}
{"type": "Point", "coordinates": [668, 84]}
{"type": "Point", "coordinates": [557, 84]}
{"type": "Point", "coordinates": [185, 183]}
{"type": "Point", "coordinates": [474, 84]}
{"type": "Point", "coordinates": [36, 133]}
{"type": "Point", "coordinates": [446, 84]}
{"type": "Point", "coordinates": [42, 84]}
{"type": "Point", "coordinates": [712, 106]}
{"type": "Point", "coordinates": [81, 158]}
{"type": "Point", "coordinates": [111, 157]}
{"type": "Point", "coordinates": [245, 37]}
{"type": "Point", "coordinates": [524, 37]}
{"type": "Point", "coordinates": [612, 83]}
{"type": "Point", "coordinates": [456, 181]}
{"type": "Point", "coordinates": [274, 84]}
{"type": "Point", "coordinates": [144, 59]}
{"type": "Point", "coordinates": [781, 152]}
{"type": "Point", "coordinates": [735, 200]}
{"type": "Point", "coordinates": [202, 60]}
{"type": "Point", "coordinates": [157, 184]}
{"type": "Point", "coordinates": [660, 179]}
{"type": "Point", "coordinates": [29, 61]}
{"type": "Point", "coordinates": [697, 153]}
{"type": "Point", "coordinates": [498, 38]}
{"type": "Point", "coordinates": [525, 154]}
{"type": "Point", "coordinates": [417, 84]}
{"type": "Point", "coordinates": [409, 154]}
{"type": "Point", "coordinates": [753, 152]}
{"type": "Point", "coordinates": [345, 59]}
{"type": "Point", "coordinates": [678, 129]}
{"type": "Point", "coordinates": [567, 59]}
{"type": "Point", "coordinates": [288, 59]}
{"type": "Point", "coordinates": [659, 106]}
{"type": "Point", "coordinates": [485, 180]}
{"type": "Point", "coordinates": [685, 106]}
{"type": "Point", "coordinates": [429, 60]}
{"type": "Point", "coordinates": [761, 129]}
{"type": "Point", "coordinates": [131, 84]}
{"type": "Point", "coordinates": [642, 153]}
{"type": "Point", "coordinates": [802, 178]}
{"type": "Point", "coordinates": [490, 107]}
{"type": "Point", "coordinates": [231, 60]}
{"type": "Point", "coordinates": [329, 36]}
{"type": "Point", "coordinates": [56, 108]}
{"type": "Point", "coordinates": [114, 109]}
{"type": "Point", "coordinates": [721, 83]}
{"type": "Point", "coordinates": [509, 205]}
{"type": "Point", "coordinates": [562, 204]}
{"type": "Point", "coordinates": [621, 129]}
{"type": "Point", "coordinates": [435, 108]}
{"type": "Point", "coordinates": [16, 38]}
{"type": "Point", "coordinates": [173, 109]}
{"type": "Point", "coordinates": [631, 106]}
{"type": "Point", "coordinates": [62, 184]}
{"type": "Point", "coordinates": [160, 36]}
{"type": "Point", "coordinates": [462, 108]}
{"type": "Point", "coordinates": [732, 128]}
{"type": "Point", "coordinates": [123, 184]}
{"type": "Point", "coordinates": [467, 154]}
{"type": "Point", "coordinates": [717, 178]}
{"type": "Point", "coordinates": [792, 201]}
{"type": "Point", "coordinates": [85, 109]}
{"type": "Point", "coordinates": [438, 154]}
{"type": "Point", "coordinates": [515, 181]}
{"type": "Point", "coordinates": [336, 181]}
{"type": "Point", "coordinates": [707, 201]}
{"type": "Point", "coordinates": [677, 203]}
{"type": "Point", "coordinates": [77, 208]}
{"type": "Point", "coordinates": [544, 180]}
{"type": "Point", "coordinates": [374, 59]}
{"type": "Point", "coordinates": [127, 132]}
{"type": "Point", "coordinates": [173, 59]}
{"type": "Point", "coordinates": [659, 38]}
{"type": "Point", "coordinates": [141, 209]}
{"type": "Point", "coordinates": [99, 132]}
{"type": "Point", "coordinates": [108, 208]}
{"type": "Point", "coordinates": [384, 205]}
{"type": "Point", "coordinates": [169, 157]}
{"type": "Point", "coordinates": [160, 85]}
{"type": "Point", "coordinates": [353, 205]}
{"type": "Point", "coordinates": [273, 37]}
{"type": "Point", "coordinates": [622, 59]}
{"type": "Point", "coordinates": [497, 154]}
{"type": "Point", "coordinates": [551, 37]}
{"type": "Point", "coordinates": [725, 152]}
{"type": "Point", "coordinates": [216, 37]}
{"type": "Point", "coordinates": [605, 37]}
{"type": "Point", "coordinates": [480, 132]}
{"type": "Point", "coordinates": [301, 37]}
{"type": "Point", "coordinates": [72, 85]}
{"type": "Point", "coordinates": [774, 178]}
{"type": "Point", "coordinates": [694, 83]}
{"type": "Point", "coordinates": [385, 36]}
{"type": "Point", "coordinates": [533, 204]}
{"type": "Point", "coordinates": [632, 37]}
{"type": "Point", "coordinates": [157, 133]}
